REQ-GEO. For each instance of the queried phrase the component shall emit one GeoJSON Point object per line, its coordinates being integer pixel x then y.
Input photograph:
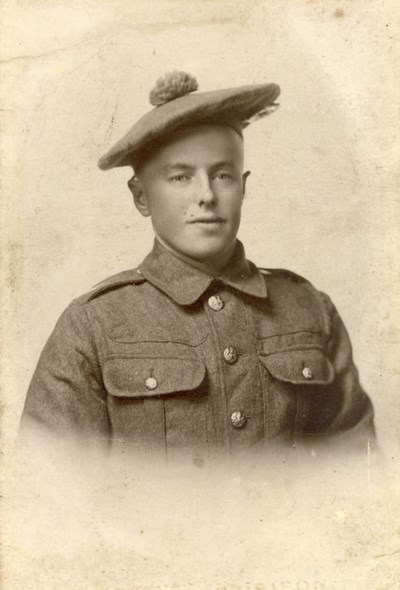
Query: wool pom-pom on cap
{"type": "Point", "coordinates": [172, 85]}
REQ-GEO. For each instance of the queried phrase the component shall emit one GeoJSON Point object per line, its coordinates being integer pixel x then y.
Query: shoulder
{"type": "Point", "coordinates": [115, 282]}
{"type": "Point", "coordinates": [289, 280]}
{"type": "Point", "coordinates": [294, 290]}
{"type": "Point", "coordinates": [107, 300]}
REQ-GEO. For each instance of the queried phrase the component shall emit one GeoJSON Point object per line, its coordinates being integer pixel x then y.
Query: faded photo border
{"type": "Point", "coordinates": [323, 200]}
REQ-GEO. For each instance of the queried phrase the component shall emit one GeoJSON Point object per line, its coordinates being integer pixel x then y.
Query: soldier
{"type": "Point", "coordinates": [197, 349]}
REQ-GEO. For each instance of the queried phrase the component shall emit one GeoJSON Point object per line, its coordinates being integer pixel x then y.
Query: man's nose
{"type": "Point", "coordinates": [204, 193]}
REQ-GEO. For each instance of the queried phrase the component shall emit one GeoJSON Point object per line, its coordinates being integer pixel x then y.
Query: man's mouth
{"type": "Point", "coordinates": [207, 220]}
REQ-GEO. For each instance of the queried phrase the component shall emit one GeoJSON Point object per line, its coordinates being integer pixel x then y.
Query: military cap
{"type": "Point", "coordinates": [177, 104]}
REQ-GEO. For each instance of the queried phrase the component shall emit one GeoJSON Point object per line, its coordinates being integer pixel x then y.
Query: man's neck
{"type": "Point", "coordinates": [209, 267]}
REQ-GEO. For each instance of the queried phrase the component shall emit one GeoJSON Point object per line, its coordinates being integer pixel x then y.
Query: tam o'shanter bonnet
{"type": "Point", "coordinates": [177, 103]}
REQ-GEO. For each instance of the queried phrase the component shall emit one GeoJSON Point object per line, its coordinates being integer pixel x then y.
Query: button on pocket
{"type": "Point", "coordinates": [307, 373]}
{"type": "Point", "coordinates": [309, 366]}
{"type": "Point", "coordinates": [144, 377]}
{"type": "Point", "coordinates": [151, 383]}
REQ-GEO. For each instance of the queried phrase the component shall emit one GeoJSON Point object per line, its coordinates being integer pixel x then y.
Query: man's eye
{"type": "Point", "coordinates": [224, 176]}
{"type": "Point", "coordinates": [180, 178]}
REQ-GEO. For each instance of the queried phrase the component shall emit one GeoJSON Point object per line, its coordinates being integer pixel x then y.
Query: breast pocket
{"type": "Point", "coordinates": [157, 401]}
{"type": "Point", "coordinates": [296, 381]}
{"type": "Point", "coordinates": [300, 367]}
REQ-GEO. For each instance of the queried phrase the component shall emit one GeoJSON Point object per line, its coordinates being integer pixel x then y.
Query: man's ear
{"type": "Point", "coordinates": [139, 196]}
{"type": "Point", "coordinates": [244, 179]}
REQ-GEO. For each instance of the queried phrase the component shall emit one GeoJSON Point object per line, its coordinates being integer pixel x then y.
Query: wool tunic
{"type": "Point", "coordinates": [167, 357]}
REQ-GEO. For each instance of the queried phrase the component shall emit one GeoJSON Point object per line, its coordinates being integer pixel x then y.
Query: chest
{"type": "Point", "coordinates": [222, 374]}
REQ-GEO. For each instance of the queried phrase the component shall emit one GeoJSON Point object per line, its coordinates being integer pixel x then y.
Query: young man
{"type": "Point", "coordinates": [197, 349]}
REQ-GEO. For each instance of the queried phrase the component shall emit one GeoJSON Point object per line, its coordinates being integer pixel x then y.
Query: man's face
{"type": "Point", "coordinates": [193, 189]}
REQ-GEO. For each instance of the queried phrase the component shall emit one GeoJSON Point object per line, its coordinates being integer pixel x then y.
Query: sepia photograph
{"type": "Point", "coordinates": [200, 320]}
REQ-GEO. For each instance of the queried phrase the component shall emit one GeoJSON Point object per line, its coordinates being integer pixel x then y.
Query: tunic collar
{"type": "Point", "coordinates": [185, 284]}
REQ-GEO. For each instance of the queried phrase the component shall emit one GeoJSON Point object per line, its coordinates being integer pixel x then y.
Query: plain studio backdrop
{"type": "Point", "coordinates": [321, 200]}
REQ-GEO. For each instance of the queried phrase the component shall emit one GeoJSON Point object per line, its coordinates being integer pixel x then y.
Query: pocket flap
{"type": "Point", "coordinates": [143, 377]}
{"type": "Point", "coordinates": [308, 367]}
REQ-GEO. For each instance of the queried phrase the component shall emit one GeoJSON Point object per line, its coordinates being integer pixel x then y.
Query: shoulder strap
{"type": "Point", "coordinates": [288, 274]}
{"type": "Point", "coordinates": [126, 277]}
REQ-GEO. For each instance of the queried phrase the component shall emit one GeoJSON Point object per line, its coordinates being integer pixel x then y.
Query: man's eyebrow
{"type": "Point", "coordinates": [185, 166]}
{"type": "Point", "coordinates": [177, 166]}
{"type": "Point", "coordinates": [223, 164]}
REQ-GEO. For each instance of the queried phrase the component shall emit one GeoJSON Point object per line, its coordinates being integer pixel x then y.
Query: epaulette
{"type": "Point", "coordinates": [288, 274]}
{"type": "Point", "coordinates": [126, 277]}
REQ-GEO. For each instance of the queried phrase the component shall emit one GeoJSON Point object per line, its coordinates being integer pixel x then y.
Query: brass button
{"type": "Point", "coordinates": [307, 373]}
{"type": "Point", "coordinates": [230, 355]}
{"type": "Point", "coordinates": [216, 303]}
{"type": "Point", "coordinates": [238, 419]}
{"type": "Point", "coordinates": [151, 383]}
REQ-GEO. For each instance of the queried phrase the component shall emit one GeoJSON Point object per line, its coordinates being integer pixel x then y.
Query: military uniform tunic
{"type": "Point", "coordinates": [166, 356]}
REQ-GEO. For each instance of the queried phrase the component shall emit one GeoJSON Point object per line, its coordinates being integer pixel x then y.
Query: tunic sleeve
{"type": "Point", "coordinates": [343, 412]}
{"type": "Point", "coordinates": [66, 395]}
